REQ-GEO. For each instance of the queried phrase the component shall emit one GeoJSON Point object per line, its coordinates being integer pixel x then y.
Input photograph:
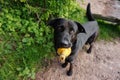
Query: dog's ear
{"type": "Point", "coordinates": [81, 29]}
{"type": "Point", "coordinates": [52, 23]}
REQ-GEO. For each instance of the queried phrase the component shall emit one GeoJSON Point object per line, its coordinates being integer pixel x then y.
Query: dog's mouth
{"type": "Point", "coordinates": [65, 46]}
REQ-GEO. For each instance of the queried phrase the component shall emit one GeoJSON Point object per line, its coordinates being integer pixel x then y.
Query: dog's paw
{"type": "Point", "coordinates": [69, 59]}
{"type": "Point", "coordinates": [64, 65]}
{"type": "Point", "coordinates": [69, 73]}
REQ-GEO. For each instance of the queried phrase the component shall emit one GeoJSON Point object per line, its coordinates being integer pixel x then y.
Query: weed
{"type": "Point", "coordinates": [108, 31]}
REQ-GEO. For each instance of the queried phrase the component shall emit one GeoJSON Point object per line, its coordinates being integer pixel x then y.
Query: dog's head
{"type": "Point", "coordinates": [65, 31]}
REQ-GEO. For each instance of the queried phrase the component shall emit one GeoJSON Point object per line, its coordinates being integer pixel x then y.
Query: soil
{"type": "Point", "coordinates": [104, 61]}
{"type": "Point", "coordinates": [102, 64]}
{"type": "Point", "coordinates": [104, 7]}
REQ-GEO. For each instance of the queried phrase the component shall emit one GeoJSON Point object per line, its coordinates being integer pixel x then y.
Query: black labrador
{"type": "Point", "coordinates": [72, 34]}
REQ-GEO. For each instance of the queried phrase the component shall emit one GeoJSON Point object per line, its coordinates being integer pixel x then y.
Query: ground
{"type": "Point", "coordinates": [104, 61]}
{"type": "Point", "coordinates": [104, 7]}
{"type": "Point", "coordinates": [102, 64]}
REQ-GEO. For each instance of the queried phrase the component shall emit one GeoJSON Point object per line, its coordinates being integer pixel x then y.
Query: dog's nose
{"type": "Point", "coordinates": [64, 43]}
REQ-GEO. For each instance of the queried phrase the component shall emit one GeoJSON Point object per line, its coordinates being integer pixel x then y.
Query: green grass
{"type": "Point", "coordinates": [24, 64]}
{"type": "Point", "coordinates": [108, 31]}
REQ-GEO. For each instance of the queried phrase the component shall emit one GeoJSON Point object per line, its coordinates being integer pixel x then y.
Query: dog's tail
{"type": "Point", "coordinates": [89, 14]}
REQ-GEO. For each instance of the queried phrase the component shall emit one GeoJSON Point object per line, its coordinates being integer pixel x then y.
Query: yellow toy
{"type": "Point", "coordinates": [63, 53]}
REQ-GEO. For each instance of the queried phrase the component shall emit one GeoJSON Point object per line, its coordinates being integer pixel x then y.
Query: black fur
{"type": "Point", "coordinates": [66, 32]}
{"type": "Point", "coordinates": [88, 13]}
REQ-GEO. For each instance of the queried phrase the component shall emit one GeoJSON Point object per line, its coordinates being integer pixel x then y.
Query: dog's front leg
{"type": "Point", "coordinates": [70, 71]}
{"type": "Point", "coordinates": [65, 64]}
{"type": "Point", "coordinates": [69, 59]}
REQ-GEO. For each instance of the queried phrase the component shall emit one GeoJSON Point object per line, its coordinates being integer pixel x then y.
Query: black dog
{"type": "Point", "coordinates": [72, 34]}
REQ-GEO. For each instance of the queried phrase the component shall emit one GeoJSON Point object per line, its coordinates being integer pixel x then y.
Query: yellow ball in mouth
{"type": "Point", "coordinates": [63, 53]}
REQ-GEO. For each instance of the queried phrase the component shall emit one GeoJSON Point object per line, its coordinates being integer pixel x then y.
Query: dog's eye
{"type": "Point", "coordinates": [60, 28]}
{"type": "Point", "coordinates": [71, 30]}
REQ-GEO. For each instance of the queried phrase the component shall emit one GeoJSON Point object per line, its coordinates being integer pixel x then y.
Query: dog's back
{"type": "Point", "coordinates": [91, 26]}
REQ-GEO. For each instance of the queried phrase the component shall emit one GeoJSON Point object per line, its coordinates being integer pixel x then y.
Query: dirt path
{"type": "Point", "coordinates": [104, 7]}
{"type": "Point", "coordinates": [102, 64]}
